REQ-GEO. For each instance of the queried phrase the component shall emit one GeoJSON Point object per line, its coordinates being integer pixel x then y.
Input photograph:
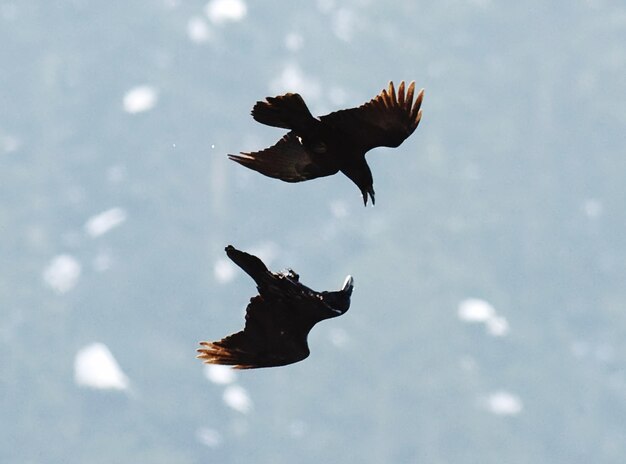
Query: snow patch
{"type": "Point", "coordinates": [209, 437]}
{"type": "Point", "coordinates": [224, 271]}
{"type": "Point", "coordinates": [237, 398]}
{"type": "Point", "coordinates": [102, 223]}
{"type": "Point", "coordinates": [198, 30]}
{"type": "Point", "coordinates": [139, 99]}
{"type": "Point", "coordinates": [503, 403]}
{"type": "Point", "coordinates": [476, 310]}
{"type": "Point", "coordinates": [219, 374]}
{"type": "Point", "coordinates": [62, 274]}
{"type": "Point", "coordinates": [222, 11]}
{"type": "Point", "coordinates": [292, 79]}
{"type": "Point", "coordinates": [95, 367]}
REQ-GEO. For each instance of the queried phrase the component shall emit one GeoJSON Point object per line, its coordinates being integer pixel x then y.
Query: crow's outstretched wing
{"type": "Point", "coordinates": [288, 160]}
{"type": "Point", "coordinates": [271, 337]}
{"type": "Point", "coordinates": [386, 120]}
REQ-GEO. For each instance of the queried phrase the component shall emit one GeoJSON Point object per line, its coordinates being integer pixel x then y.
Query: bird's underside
{"type": "Point", "coordinates": [317, 147]}
{"type": "Point", "coordinates": [278, 319]}
{"type": "Point", "coordinates": [265, 342]}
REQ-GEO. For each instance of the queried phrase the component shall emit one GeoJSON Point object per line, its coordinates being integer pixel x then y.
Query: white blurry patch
{"type": "Point", "coordinates": [95, 367]}
{"type": "Point", "coordinates": [343, 22]}
{"type": "Point", "coordinates": [221, 11]}
{"type": "Point", "coordinates": [580, 349]}
{"type": "Point", "coordinates": [292, 79]}
{"type": "Point", "coordinates": [503, 403]}
{"type": "Point", "coordinates": [237, 398]}
{"type": "Point", "coordinates": [297, 429]}
{"type": "Point", "coordinates": [198, 30]}
{"type": "Point", "coordinates": [325, 6]}
{"type": "Point", "coordinates": [338, 337]}
{"type": "Point", "coordinates": [339, 209]}
{"type": "Point", "coordinates": [497, 326]}
{"type": "Point", "coordinates": [224, 270]}
{"type": "Point", "coordinates": [294, 41]}
{"type": "Point", "coordinates": [102, 223]}
{"type": "Point", "coordinates": [171, 4]}
{"type": "Point", "coordinates": [467, 363]}
{"type": "Point", "coordinates": [219, 374]}
{"type": "Point", "coordinates": [140, 98]}
{"type": "Point", "coordinates": [62, 274]}
{"type": "Point", "coordinates": [9, 143]}
{"type": "Point", "coordinates": [592, 208]}
{"type": "Point", "coordinates": [475, 310]}
{"type": "Point", "coordinates": [209, 437]}
{"type": "Point", "coordinates": [116, 174]}
{"type": "Point", "coordinates": [103, 261]}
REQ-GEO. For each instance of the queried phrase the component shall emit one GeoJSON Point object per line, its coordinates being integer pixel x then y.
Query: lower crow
{"type": "Point", "coordinates": [278, 319]}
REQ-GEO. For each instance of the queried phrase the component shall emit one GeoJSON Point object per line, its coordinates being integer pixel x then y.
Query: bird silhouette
{"type": "Point", "coordinates": [278, 319]}
{"type": "Point", "coordinates": [317, 147]}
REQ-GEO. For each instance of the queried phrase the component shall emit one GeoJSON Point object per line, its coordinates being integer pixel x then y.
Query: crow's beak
{"type": "Point", "coordinates": [369, 191]}
{"type": "Point", "coordinates": [348, 284]}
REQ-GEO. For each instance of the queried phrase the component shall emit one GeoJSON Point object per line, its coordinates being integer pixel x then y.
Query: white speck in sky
{"type": "Point", "coordinates": [237, 398]}
{"type": "Point", "coordinates": [103, 261]}
{"type": "Point", "coordinates": [62, 274]}
{"type": "Point", "coordinates": [297, 429]}
{"type": "Point", "coordinates": [294, 41]}
{"type": "Point", "coordinates": [198, 30]}
{"type": "Point", "coordinates": [325, 6]}
{"type": "Point", "coordinates": [95, 367]}
{"type": "Point", "coordinates": [209, 437]}
{"type": "Point", "coordinates": [503, 403]}
{"type": "Point", "coordinates": [102, 223]}
{"type": "Point", "coordinates": [338, 337]}
{"type": "Point", "coordinates": [9, 143]}
{"type": "Point", "coordinates": [593, 208]}
{"type": "Point", "coordinates": [475, 310]}
{"type": "Point", "coordinates": [339, 209]}
{"type": "Point", "coordinates": [116, 174]}
{"type": "Point", "coordinates": [140, 98]}
{"type": "Point", "coordinates": [224, 270]}
{"type": "Point", "coordinates": [497, 326]}
{"type": "Point", "coordinates": [343, 22]}
{"type": "Point", "coordinates": [221, 375]}
{"type": "Point", "coordinates": [221, 11]}
{"type": "Point", "coordinates": [292, 79]}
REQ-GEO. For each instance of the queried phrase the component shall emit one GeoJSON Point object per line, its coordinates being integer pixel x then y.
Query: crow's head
{"type": "Point", "coordinates": [360, 174]}
{"type": "Point", "coordinates": [339, 301]}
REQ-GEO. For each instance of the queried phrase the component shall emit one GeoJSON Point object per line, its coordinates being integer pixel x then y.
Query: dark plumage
{"type": "Point", "coordinates": [278, 319]}
{"type": "Point", "coordinates": [317, 147]}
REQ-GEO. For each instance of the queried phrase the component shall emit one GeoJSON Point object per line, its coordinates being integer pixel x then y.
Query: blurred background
{"type": "Point", "coordinates": [488, 320]}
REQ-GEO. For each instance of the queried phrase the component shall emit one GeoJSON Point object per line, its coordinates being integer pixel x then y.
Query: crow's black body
{"type": "Point", "coordinates": [317, 147]}
{"type": "Point", "coordinates": [278, 319]}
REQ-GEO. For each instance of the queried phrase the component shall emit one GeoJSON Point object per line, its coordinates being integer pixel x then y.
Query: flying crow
{"type": "Point", "coordinates": [278, 319]}
{"type": "Point", "coordinates": [317, 147]}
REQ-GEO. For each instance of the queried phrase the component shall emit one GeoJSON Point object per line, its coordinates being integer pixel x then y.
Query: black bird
{"type": "Point", "coordinates": [278, 319]}
{"type": "Point", "coordinates": [317, 147]}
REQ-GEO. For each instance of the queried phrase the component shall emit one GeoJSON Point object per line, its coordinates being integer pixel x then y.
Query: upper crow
{"type": "Point", "coordinates": [317, 147]}
{"type": "Point", "coordinates": [278, 319]}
